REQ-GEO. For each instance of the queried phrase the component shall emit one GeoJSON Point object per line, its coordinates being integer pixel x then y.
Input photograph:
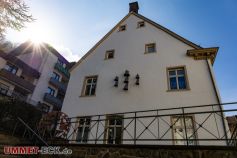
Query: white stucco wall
{"type": "Point", "coordinates": [152, 92]}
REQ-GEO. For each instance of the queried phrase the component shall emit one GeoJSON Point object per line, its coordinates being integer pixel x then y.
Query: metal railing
{"type": "Point", "coordinates": [187, 125]}
{"type": "Point", "coordinates": [29, 133]}
{"type": "Point", "coordinates": [53, 100]}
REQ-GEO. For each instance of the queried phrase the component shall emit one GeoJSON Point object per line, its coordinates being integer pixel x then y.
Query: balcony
{"type": "Point", "coordinates": [26, 69]}
{"type": "Point", "coordinates": [61, 86]}
{"type": "Point", "coordinates": [53, 100]}
{"type": "Point", "coordinates": [17, 81]}
{"type": "Point", "coordinates": [61, 69]}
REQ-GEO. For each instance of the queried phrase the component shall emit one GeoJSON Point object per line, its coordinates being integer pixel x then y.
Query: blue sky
{"type": "Point", "coordinates": [74, 26]}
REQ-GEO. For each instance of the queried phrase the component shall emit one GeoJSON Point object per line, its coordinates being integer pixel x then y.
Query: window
{"type": "Point", "coordinates": [122, 28]}
{"type": "Point", "coordinates": [83, 130]}
{"type": "Point", "coordinates": [11, 68]}
{"type": "Point", "coordinates": [177, 78]}
{"type": "Point", "coordinates": [45, 108]}
{"type": "Point", "coordinates": [114, 129]}
{"type": "Point", "coordinates": [55, 76]}
{"type": "Point", "coordinates": [60, 62]}
{"type": "Point", "coordinates": [179, 123]}
{"type": "Point", "coordinates": [89, 86]}
{"type": "Point", "coordinates": [140, 24]}
{"type": "Point", "coordinates": [109, 54]}
{"type": "Point", "coordinates": [51, 91]}
{"type": "Point", "coordinates": [150, 48]}
{"type": "Point", "coordinates": [3, 89]}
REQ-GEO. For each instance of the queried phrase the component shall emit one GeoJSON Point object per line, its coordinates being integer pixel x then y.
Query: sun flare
{"type": "Point", "coordinates": [36, 35]}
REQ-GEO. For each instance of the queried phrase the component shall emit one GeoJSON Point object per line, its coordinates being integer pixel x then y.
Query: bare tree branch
{"type": "Point", "coordinates": [13, 14]}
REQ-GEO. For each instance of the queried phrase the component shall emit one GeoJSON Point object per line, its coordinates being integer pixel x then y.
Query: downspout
{"type": "Point", "coordinates": [217, 96]}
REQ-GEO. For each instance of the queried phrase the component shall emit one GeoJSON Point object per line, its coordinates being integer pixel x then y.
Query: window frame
{"type": "Point", "coordinates": [107, 54]}
{"type": "Point", "coordinates": [4, 87]}
{"type": "Point", "coordinates": [83, 126]}
{"type": "Point", "coordinates": [51, 90]}
{"type": "Point", "coordinates": [168, 69]}
{"type": "Point", "coordinates": [139, 22]}
{"type": "Point", "coordinates": [83, 92]}
{"type": "Point", "coordinates": [193, 128]}
{"type": "Point", "coordinates": [115, 126]}
{"type": "Point", "coordinates": [146, 48]}
{"type": "Point", "coordinates": [121, 26]}
{"type": "Point", "coordinates": [12, 67]}
{"type": "Point", "coordinates": [56, 76]}
{"type": "Point", "coordinates": [60, 62]}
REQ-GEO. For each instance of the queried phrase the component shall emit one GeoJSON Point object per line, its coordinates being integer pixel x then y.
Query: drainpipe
{"type": "Point", "coordinates": [218, 97]}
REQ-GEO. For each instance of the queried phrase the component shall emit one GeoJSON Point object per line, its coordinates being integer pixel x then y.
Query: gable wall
{"type": "Point", "coordinates": [152, 92]}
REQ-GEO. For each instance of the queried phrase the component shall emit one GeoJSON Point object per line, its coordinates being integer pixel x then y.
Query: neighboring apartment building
{"type": "Point", "coordinates": [37, 74]}
{"type": "Point", "coordinates": [232, 122]}
{"type": "Point", "coordinates": [140, 65]}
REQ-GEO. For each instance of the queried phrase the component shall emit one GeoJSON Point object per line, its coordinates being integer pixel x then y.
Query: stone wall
{"type": "Point", "coordinates": [141, 151]}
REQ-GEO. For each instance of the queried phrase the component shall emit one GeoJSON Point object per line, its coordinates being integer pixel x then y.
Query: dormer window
{"type": "Point", "coordinates": [122, 28]}
{"type": "Point", "coordinates": [150, 48]}
{"type": "Point", "coordinates": [109, 54]}
{"type": "Point", "coordinates": [140, 24]}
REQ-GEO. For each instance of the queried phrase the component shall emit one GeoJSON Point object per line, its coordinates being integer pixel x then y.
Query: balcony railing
{"type": "Point", "coordinates": [58, 84]}
{"type": "Point", "coordinates": [53, 100]}
{"type": "Point", "coordinates": [61, 69]}
{"type": "Point", "coordinates": [172, 126]}
{"type": "Point", "coordinates": [16, 80]}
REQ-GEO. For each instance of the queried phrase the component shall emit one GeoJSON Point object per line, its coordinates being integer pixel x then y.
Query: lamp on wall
{"type": "Point", "coordinates": [137, 79]}
{"type": "Point", "coordinates": [126, 80]}
{"type": "Point", "coordinates": [116, 80]}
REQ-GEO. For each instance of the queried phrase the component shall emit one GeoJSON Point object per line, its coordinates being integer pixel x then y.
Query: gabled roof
{"type": "Point", "coordinates": [195, 46]}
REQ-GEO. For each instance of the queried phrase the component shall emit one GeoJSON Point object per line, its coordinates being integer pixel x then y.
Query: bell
{"type": "Point", "coordinates": [125, 87]}
{"type": "Point", "coordinates": [126, 74]}
{"type": "Point", "coordinates": [126, 80]}
{"type": "Point", "coordinates": [137, 79]}
{"type": "Point", "coordinates": [116, 78]}
{"type": "Point", "coordinates": [116, 81]}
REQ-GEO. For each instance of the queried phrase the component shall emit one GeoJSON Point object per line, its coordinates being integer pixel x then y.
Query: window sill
{"type": "Point", "coordinates": [108, 58]}
{"type": "Point", "coordinates": [178, 90]}
{"type": "Point", "coordinates": [121, 30]}
{"type": "Point", "coordinates": [87, 95]}
{"type": "Point", "coordinates": [150, 52]}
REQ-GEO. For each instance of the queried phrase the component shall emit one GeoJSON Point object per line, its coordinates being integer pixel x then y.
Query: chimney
{"type": "Point", "coordinates": [133, 7]}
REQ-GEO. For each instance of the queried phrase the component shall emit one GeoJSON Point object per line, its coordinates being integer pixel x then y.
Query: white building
{"type": "Point", "coordinates": [140, 65]}
{"type": "Point", "coordinates": [36, 74]}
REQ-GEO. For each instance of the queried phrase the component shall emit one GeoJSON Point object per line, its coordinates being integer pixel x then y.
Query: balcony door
{"type": "Point", "coordinates": [183, 127]}
{"type": "Point", "coordinates": [114, 129]}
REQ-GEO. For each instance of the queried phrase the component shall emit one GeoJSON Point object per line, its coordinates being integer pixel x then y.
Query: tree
{"type": "Point", "coordinates": [13, 14]}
